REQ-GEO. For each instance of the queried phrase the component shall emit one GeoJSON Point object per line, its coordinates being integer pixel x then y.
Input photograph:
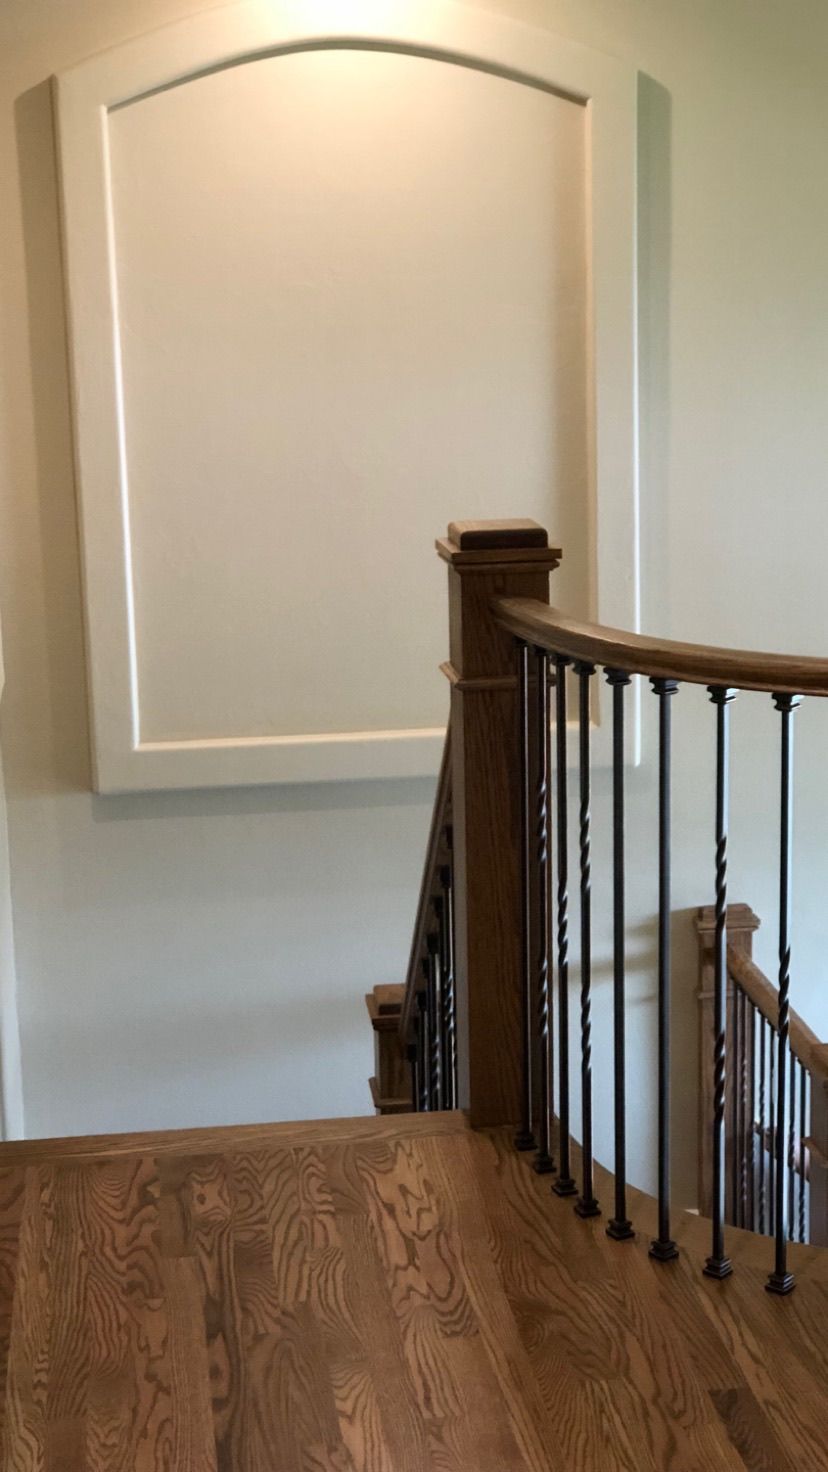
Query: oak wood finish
{"type": "Point", "coordinates": [742, 924]}
{"type": "Point", "coordinates": [699, 664]}
{"type": "Point", "coordinates": [391, 1084]}
{"type": "Point", "coordinates": [401, 1297]}
{"type": "Point", "coordinates": [488, 561]}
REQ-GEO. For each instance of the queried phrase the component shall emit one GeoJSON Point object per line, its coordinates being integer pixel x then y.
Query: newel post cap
{"type": "Point", "coordinates": [510, 540]}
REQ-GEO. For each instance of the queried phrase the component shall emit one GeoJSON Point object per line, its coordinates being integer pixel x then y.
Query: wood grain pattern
{"type": "Point", "coordinates": [380, 1300]}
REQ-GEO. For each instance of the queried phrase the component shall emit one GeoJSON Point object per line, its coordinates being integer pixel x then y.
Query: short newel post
{"type": "Point", "coordinates": [488, 560]}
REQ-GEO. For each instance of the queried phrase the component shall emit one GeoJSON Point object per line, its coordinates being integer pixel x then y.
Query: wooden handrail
{"type": "Point", "coordinates": [442, 801]}
{"type": "Point", "coordinates": [805, 1045]}
{"type": "Point", "coordinates": [700, 664]}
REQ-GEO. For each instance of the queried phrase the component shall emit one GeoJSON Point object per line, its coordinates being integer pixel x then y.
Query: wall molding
{"type": "Point", "coordinates": [86, 97]}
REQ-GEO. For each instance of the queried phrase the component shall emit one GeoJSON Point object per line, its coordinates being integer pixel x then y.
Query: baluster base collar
{"type": "Point", "coordinates": [525, 1140]}
{"type": "Point", "coordinates": [718, 1267]}
{"type": "Point", "coordinates": [663, 1251]}
{"type": "Point", "coordinates": [781, 1283]}
{"type": "Point", "coordinates": [565, 1186]}
{"type": "Point", "coordinates": [543, 1163]}
{"type": "Point", "coordinates": [620, 1230]}
{"type": "Point", "coordinates": [587, 1206]}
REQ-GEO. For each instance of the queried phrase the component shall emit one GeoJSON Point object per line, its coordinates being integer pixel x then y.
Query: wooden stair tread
{"type": "Point", "coordinates": [387, 1294]}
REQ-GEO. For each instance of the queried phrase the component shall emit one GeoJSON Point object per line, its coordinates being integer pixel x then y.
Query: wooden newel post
{"type": "Point", "coordinates": [488, 560]}
{"type": "Point", "coordinates": [742, 924]}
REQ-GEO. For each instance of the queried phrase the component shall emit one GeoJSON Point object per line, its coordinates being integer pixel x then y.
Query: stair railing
{"type": "Point", "coordinates": [508, 651]}
{"type": "Point", "coordinates": [428, 1013]}
{"type": "Point", "coordinates": [752, 1010]}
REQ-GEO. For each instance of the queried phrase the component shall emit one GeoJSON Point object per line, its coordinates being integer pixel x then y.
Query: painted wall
{"type": "Point", "coordinates": [201, 957]}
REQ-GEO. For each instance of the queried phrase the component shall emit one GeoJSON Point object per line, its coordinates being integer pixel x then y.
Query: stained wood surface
{"type": "Point", "coordinates": [395, 1298]}
{"type": "Point", "coordinates": [701, 664]}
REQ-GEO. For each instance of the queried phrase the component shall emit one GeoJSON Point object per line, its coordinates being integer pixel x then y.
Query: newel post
{"type": "Point", "coordinates": [487, 560]}
{"type": "Point", "coordinates": [742, 925]}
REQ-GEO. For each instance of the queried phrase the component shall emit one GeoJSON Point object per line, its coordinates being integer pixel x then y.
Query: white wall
{"type": "Point", "coordinates": [200, 957]}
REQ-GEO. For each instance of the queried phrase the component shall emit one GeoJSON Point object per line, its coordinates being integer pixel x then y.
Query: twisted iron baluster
{"type": "Point", "coordinates": [803, 1132]}
{"type": "Point", "coordinates": [791, 1144]}
{"type": "Point", "coordinates": [565, 1183]}
{"type": "Point", "coordinates": [780, 1280]}
{"type": "Point", "coordinates": [435, 981]}
{"type": "Point", "coordinates": [449, 1004]}
{"type": "Point", "coordinates": [586, 1204]}
{"type": "Point", "coordinates": [718, 1264]}
{"type": "Point", "coordinates": [543, 1162]}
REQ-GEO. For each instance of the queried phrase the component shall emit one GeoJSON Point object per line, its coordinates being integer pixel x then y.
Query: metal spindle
{"type": "Point", "coordinates": [565, 1183]}
{"type": "Point", "coordinates": [718, 1264]}
{"type": "Point", "coordinates": [620, 1227]}
{"type": "Point", "coordinates": [586, 1204]}
{"type": "Point", "coordinates": [449, 999]}
{"type": "Point", "coordinates": [750, 1123]}
{"type": "Point", "coordinates": [803, 1132]}
{"type": "Point", "coordinates": [763, 1030]}
{"type": "Point", "coordinates": [735, 1162]}
{"type": "Point", "coordinates": [431, 969]}
{"type": "Point", "coordinates": [437, 964]}
{"type": "Point", "coordinates": [525, 1138]}
{"type": "Point", "coordinates": [423, 1049]}
{"type": "Point", "coordinates": [543, 1162]}
{"type": "Point", "coordinates": [772, 1129]}
{"type": "Point", "coordinates": [780, 1280]}
{"type": "Point", "coordinates": [411, 1055]}
{"type": "Point", "coordinates": [663, 1247]}
{"type": "Point", "coordinates": [791, 1144]}
{"type": "Point", "coordinates": [743, 1091]}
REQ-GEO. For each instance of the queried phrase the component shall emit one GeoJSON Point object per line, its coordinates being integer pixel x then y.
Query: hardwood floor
{"type": "Point", "coordinates": [392, 1295]}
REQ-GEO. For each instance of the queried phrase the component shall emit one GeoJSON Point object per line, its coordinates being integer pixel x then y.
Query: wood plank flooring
{"type": "Point", "coordinates": [378, 1295]}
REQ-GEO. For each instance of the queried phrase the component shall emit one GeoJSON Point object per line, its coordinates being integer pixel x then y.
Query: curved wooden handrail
{"type": "Point", "coordinates": [699, 664]}
{"type": "Point", "coordinates": [805, 1045]}
{"type": "Point", "coordinates": [439, 816]}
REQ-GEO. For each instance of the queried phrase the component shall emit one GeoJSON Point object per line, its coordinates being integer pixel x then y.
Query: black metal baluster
{"type": "Point", "coordinates": [718, 1264]}
{"type": "Point", "coordinates": [423, 1049]}
{"type": "Point", "coordinates": [780, 1280]}
{"type": "Point", "coordinates": [763, 1029]}
{"type": "Point", "coordinates": [735, 1162]}
{"type": "Point", "coordinates": [543, 1161]}
{"type": "Point", "coordinates": [620, 1227]}
{"type": "Point", "coordinates": [586, 1204]}
{"type": "Point", "coordinates": [803, 1133]}
{"type": "Point", "coordinates": [565, 1183]}
{"type": "Point", "coordinates": [411, 1055]}
{"type": "Point", "coordinates": [791, 1144]}
{"type": "Point", "coordinates": [663, 1247]}
{"type": "Point", "coordinates": [449, 1000]}
{"type": "Point", "coordinates": [772, 1129]}
{"type": "Point", "coordinates": [431, 968]}
{"type": "Point", "coordinates": [743, 1073]}
{"type": "Point", "coordinates": [525, 1138]}
{"type": "Point", "coordinates": [437, 959]}
{"type": "Point", "coordinates": [750, 1140]}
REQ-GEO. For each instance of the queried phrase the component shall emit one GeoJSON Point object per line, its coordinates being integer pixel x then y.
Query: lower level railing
{"type": "Point", "coordinates": [752, 1104]}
